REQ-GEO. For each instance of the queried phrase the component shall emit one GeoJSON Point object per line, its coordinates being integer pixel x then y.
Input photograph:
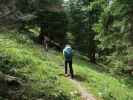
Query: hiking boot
{"type": "Point", "coordinates": [66, 75]}
{"type": "Point", "coordinates": [72, 77]}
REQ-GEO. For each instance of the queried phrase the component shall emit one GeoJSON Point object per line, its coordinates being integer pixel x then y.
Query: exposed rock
{"type": "Point", "coordinates": [10, 87]}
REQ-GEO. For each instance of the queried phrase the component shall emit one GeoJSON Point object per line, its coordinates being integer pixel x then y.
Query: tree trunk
{"type": "Point", "coordinates": [92, 56]}
{"type": "Point", "coordinates": [92, 52]}
{"type": "Point", "coordinates": [41, 35]}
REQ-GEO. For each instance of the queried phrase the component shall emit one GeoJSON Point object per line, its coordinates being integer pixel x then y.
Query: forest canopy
{"type": "Point", "coordinates": [102, 30]}
{"type": "Point", "coordinates": [40, 38]}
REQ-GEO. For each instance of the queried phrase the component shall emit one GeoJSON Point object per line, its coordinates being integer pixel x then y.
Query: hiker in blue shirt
{"type": "Point", "coordinates": [67, 52]}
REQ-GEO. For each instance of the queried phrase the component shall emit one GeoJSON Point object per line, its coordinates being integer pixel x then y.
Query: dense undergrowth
{"type": "Point", "coordinates": [20, 57]}
{"type": "Point", "coordinates": [43, 76]}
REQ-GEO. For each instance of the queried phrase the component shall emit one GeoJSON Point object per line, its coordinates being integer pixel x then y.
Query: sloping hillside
{"type": "Point", "coordinates": [41, 77]}
{"type": "Point", "coordinates": [40, 74]}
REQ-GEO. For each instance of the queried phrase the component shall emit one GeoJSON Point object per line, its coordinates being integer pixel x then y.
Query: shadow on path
{"type": "Point", "coordinates": [84, 93]}
{"type": "Point", "coordinates": [79, 78]}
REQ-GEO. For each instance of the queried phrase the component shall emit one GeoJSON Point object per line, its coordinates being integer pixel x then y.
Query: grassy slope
{"type": "Point", "coordinates": [102, 84]}
{"type": "Point", "coordinates": [22, 58]}
{"type": "Point", "coordinates": [28, 60]}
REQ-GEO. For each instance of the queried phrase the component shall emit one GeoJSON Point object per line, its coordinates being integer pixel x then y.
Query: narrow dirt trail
{"type": "Point", "coordinates": [85, 95]}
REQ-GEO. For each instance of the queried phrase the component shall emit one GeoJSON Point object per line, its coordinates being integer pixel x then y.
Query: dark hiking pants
{"type": "Point", "coordinates": [70, 67]}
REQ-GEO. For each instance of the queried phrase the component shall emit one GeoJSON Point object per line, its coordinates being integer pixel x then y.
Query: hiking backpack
{"type": "Point", "coordinates": [68, 53]}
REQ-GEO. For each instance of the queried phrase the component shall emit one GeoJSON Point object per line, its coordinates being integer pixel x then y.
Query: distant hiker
{"type": "Point", "coordinates": [67, 52]}
{"type": "Point", "coordinates": [46, 40]}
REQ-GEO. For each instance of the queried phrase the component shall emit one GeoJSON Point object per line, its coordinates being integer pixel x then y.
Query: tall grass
{"type": "Point", "coordinates": [21, 57]}
{"type": "Point", "coordinates": [44, 76]}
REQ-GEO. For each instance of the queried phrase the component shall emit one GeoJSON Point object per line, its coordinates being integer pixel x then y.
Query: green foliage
{"type": "Point", "coordinates": [43, 76]}
{"type": "Point", "coordinates": [102, 30]}
{"type": "Point", "coordinates": [48, 15]}
{"type": "Point", "coordinates": [83, 16]}
{"type": "Point", "coordinates": [103, 85]}
{"type": "Point", "coordinates": [28, 62]}
{"type": "Point", "coordinates": [99, 29]}
{"type": "Point", "coordinates": [54, 24]}
{"type": "Point", "coordinates": [112, 33]}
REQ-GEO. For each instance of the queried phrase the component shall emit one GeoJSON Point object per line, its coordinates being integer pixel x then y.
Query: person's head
{"type": "Point", "coordinates": [67, 45]}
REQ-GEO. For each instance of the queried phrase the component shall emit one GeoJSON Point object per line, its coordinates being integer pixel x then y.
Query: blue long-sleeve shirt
{"type": "Point", "coordinates": [67, 52]}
